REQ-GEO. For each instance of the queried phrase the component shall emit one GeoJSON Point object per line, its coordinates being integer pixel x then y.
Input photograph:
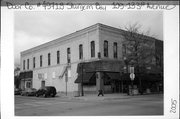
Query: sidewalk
{"type": "Point", "coordinates": [106, 97]}
{"type": "Point", "coordinates": [94, 97]}
{"type": "Point", "coordinates": [102, 98]}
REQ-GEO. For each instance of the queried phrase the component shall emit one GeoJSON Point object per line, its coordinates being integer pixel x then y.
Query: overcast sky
{"type": "Point", "coordinates": [35, 28]}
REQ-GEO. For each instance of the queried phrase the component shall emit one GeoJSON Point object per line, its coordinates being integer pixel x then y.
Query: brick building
{"type": "Point", "coordinates": [91, 58]}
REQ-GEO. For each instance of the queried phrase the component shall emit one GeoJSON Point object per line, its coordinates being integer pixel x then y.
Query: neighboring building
{"type": "Point", "coordinates": [93, 55]}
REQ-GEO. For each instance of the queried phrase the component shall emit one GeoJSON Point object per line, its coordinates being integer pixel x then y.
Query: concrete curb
{"type": "Point", "coordinates": [103, 98]}
{"type": "Point", "coordinates": [95, 97]}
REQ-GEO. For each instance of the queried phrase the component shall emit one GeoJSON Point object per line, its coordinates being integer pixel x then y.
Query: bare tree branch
{"type": "Point", "coordinates": [139, 46]}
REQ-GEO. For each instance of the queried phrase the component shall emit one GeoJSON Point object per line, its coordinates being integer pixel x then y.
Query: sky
{"type": "Point", "coordinates": [37, 27]}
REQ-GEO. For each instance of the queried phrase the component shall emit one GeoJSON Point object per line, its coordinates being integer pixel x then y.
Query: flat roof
{"type": "Point", "coordinates": [75, 34]}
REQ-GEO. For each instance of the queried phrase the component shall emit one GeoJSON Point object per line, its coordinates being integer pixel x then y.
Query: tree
{"type": "Point", "coordinates": [139, 49]}
{"type": "Point", "coordinates": [16, 77]}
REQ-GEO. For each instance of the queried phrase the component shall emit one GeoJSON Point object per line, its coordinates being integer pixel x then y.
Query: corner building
{"type": "Point", "coordinates": [84, 61]}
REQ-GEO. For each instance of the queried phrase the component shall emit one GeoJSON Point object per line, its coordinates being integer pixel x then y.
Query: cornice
{"type": "Point", "coordinates": [61, 39]}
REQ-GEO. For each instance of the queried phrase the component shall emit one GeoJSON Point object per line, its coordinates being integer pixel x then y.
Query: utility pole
{"type": "Point", "coordinates": [66, 76]}
{"type": "Point", "coordinates": [82, 92]}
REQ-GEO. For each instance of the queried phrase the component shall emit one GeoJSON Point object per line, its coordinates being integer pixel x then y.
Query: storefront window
{"type": "Point", "coordinates": [28, 84]}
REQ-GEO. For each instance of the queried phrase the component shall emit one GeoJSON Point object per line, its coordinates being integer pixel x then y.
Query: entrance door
{"type": "Point", "coordinates": [28, 84]}
{"type": "Point", "coordinates": [117, 86]}
{"type": "Point", "coordinates": [42, 84]}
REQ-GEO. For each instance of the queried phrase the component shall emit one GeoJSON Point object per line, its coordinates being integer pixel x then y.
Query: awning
{"type": "Point", "coordinates": [26, 74]}
{"type": "Point", "coordinates": [85, 77]}
{"type": "Point", "coordinates": [100, 65]}
{"type": "Point", "coordinates": [113, 75]}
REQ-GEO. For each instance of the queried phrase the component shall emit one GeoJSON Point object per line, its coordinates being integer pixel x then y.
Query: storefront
{"type": "Point", "coordinates": [109, 76]}
{"type": "Point", "coordinates": [26, 79]}
{"type": "Point", "coordinates": [99, 75]}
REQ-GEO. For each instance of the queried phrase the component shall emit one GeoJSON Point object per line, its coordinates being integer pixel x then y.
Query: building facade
{"type": "Point", "coordinates": [85, 61]}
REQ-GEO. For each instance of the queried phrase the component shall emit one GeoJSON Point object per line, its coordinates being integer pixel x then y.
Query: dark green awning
{"type": "Point", "coordinates": [85, 78]}
{"type": "Point", "coordinates": [113, 75]}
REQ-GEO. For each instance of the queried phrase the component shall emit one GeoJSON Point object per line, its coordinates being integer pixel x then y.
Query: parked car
{"type": "Point", "coordinates": [17, 91]}
{"type": "Point", "coordinates": [29, 92]}
{"type": "Point", "coordinates": [46, 91]}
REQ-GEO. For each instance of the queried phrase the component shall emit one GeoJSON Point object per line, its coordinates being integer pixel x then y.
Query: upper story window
{"type": "Point", "coordinates": [92, 49]}
{"type": "Point", "coordinates": [115, 49]}
{"type": "Point", "coordinates": [80, 51]}
{"type": "Point", "coordinates": [105, 48]}
{"type": "Point", "coordinates": [34, 62]}
{"type": "Point", "coordinates": [58, 57]}
{"type": "Point", "coordinates": [24, 61]}
{"type": "Point", "coordinates": [41, 60]}
{"type": "Point", "coordinates": [68, 55]}
{"type": "Point", "coordinates": [27, 63]}
{"type": "Point", "coordinates": [49, 59]}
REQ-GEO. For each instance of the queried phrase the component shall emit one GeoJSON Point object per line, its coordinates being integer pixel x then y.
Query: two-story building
{"type": "Point", "coordinates": [84, 61]}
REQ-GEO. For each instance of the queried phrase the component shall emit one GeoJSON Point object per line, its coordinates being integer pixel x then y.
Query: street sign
{"type": "Point", "coordinates": [132, 76]}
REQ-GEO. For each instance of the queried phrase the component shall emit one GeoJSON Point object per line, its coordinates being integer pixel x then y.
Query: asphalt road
{"type": "Point", "coordinates": [137, 105]}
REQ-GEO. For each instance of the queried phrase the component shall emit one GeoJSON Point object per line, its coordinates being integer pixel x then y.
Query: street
{"type": "Point", "coordinates": [134, 105]}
